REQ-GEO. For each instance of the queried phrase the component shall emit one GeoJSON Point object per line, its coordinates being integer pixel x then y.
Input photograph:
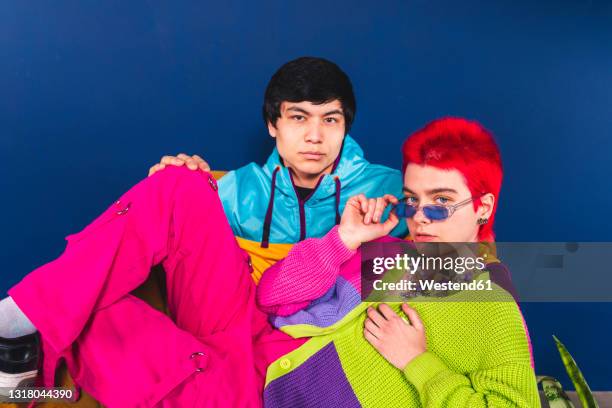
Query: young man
{"type": "Point", "coordinates": [175, 218]}
{"type": "Point", "coordinates": [301, 190]}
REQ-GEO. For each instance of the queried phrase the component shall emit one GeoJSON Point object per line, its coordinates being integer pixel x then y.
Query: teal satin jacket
{"type": "Point", "coordinates": [261, 203]}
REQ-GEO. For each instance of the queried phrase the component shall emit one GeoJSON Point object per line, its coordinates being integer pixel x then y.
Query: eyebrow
{"type": "Point", "coordinates": [296, 109]}
{"type": "Point", "coordinates": [433, 191]}
{"type": "Point", "coordinates": [333, 112]}
{"type": "Point", "coordinates": [305, 112]}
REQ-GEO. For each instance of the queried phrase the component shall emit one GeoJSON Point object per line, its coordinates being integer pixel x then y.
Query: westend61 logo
{"type": "Point", "coordinates": [397, 271]}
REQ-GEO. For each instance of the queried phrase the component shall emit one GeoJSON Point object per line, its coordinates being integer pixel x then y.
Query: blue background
{"type": "Point", "coordinates": [93, 93]}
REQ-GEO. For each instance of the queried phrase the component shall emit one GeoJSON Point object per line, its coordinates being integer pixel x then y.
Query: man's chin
{"type": "Point", "coordinates": [312, 171]}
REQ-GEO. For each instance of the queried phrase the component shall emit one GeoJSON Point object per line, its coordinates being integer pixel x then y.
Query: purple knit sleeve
{"type": "Point", "coordinates": [305, 274]}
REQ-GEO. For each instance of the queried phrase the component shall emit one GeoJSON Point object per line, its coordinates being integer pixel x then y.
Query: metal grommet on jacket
{"type": "Point", "coordinates": [196, 354]}
{"type": "Point", "coordinates": [199, 364]}
{"type": "Point", "coordinates": [124, 210]}
{"type": "Point", "coordinates": [212, 183]}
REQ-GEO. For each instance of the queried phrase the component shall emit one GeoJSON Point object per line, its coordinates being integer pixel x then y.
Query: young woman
{"type": "Point", "coordinates": [460, 353]}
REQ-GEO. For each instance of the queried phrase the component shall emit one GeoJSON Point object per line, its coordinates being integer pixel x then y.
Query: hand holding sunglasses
{"type": "Point", "coordinates": [362, 219]}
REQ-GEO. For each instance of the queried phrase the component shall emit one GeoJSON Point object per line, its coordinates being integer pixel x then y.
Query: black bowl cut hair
{"type": "Point", "coordinates": [311, 79]}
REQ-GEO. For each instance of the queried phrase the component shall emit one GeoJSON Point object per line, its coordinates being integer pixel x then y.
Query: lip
{"type": "Point", "coordinates": [421, 237]}
{"type": "Point", "coordinates": [312, 155]}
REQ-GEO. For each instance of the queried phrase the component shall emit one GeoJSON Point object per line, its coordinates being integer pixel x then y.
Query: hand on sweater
{"type": "Point", "coordinates": [397, 340]}
{"type": "Point", "coordinates": [361, 219]}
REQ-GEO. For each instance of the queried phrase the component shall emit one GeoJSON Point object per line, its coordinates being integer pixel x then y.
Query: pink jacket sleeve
{"type": "Point", "coordinates": [305, 274]}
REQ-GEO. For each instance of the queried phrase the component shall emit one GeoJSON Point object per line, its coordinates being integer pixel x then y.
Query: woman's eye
{"type": "Point", "coordinates": [442, 200]}
{"type": "Point", "coordinates": [411, 200]}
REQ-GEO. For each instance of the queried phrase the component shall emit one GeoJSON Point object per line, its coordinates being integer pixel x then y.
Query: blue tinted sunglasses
{"type": "Point", "coordinates": [435, 212]}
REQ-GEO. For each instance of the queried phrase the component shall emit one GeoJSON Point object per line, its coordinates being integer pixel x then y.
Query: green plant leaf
{"type": "Point", "coordinates": [582, 388]}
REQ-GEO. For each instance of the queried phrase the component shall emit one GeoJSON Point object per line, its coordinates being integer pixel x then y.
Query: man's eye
{"type": "Point", "coordinates": [331, 120]}
{"type": "Point", "coordinates": [298, 118]}
{"type": "Point", "coordinates": [442, 200]}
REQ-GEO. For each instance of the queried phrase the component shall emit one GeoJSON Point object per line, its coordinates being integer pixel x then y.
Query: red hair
{"type": "Point", "coordinates": [465, 146]}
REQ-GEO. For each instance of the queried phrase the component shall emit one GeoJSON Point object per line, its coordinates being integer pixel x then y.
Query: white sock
{"type": "Point", "coordinates": [13, 323]}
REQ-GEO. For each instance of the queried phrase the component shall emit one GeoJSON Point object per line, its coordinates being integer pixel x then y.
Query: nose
{"type": "Point", "coordinates": [420, 217]}
{"type": "Point", "coordinates": [314, 134]}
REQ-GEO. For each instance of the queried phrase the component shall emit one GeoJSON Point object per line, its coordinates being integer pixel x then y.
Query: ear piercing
{"type": "Point", "coordinates": [482, 221]}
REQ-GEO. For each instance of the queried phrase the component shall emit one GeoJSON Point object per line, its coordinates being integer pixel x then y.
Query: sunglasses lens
{"type": "Point", "coordinates": [404, 210]}
{"type": "Point", "coordinates": [435, 212]}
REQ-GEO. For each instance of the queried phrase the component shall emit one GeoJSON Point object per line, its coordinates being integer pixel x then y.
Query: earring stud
{"type": "Point", "coordinates": [482, 221]}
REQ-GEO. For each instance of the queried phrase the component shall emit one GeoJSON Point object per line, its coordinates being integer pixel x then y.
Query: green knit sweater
{"type": "Point", "coordinates": [478, 352]}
